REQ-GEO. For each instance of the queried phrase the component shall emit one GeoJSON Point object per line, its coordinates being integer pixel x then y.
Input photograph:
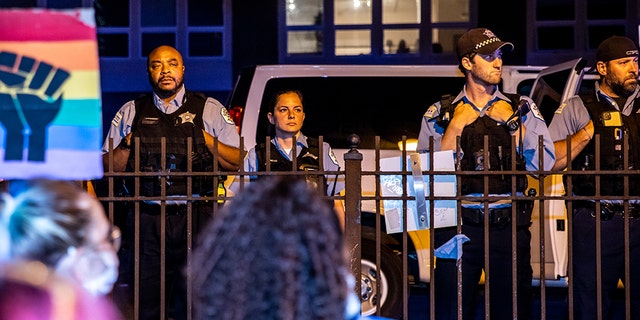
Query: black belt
{"type": "Point", "coordinates": [607, 209]}
{"type": "Point", "coordinates": [171, 209]}
{"type": "Point", "coordinates": [498, 216]}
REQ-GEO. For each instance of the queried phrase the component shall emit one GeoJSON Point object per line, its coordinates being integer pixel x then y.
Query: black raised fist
{"type": "Point", "coordinates": [30, 98]}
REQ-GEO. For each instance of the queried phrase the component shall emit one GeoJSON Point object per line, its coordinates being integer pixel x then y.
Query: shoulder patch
{"type": "Point", "coordinates": [560, 108]}
{"type": "Point", "coordinates": [536, 112]}
{"type": "Point", "coordinates": [226, 116]}
{"type": "Point", "coordinates": [333, 156]}
{"type": "Point", "coordinates": [116, 119]}
{"type": "Point", "coordinates": [431, 112]}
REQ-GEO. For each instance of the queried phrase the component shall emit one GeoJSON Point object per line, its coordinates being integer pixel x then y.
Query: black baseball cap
{"type": "Point", "coordinates": [480, 40]}
{"type": "Point", "coordinates": [616, 47]}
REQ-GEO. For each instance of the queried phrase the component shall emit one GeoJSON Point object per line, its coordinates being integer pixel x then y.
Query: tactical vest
{"type": "Point", "coordinates": [472, 143]}
{"type": "Point", "coordinates": [150, 124]}
{"type": "Point", "coordinates": [307, 160]}
{"type": "Point", "coordinates": [611, 149]}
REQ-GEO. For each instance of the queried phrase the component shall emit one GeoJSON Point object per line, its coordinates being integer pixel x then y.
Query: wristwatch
{"type": "Point", "coordinates": [512, 124]}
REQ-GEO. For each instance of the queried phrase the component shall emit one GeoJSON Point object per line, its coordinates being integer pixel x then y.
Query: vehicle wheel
{"type": "Point", "coordinates": [390, 279]}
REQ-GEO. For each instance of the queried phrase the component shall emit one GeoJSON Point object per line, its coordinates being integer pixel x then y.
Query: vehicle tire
{"type": "Point", "coordinates": [390, 279]}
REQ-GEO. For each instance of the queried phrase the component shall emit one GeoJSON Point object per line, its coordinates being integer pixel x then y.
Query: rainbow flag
{"type": "Point", "coordinates": [50, 109]}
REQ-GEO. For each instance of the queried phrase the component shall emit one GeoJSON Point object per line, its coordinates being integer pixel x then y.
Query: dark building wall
{"type": "Point", "coordinates": [255, 33]}
{"type": "Point", "coordinates": [508, 21]}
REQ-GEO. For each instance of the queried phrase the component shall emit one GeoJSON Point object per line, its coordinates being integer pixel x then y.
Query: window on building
{"type": "Point", "coordinates": [128, 30]}
{"type": "Point", "coordinates": [566, 29]}
{"type": "Point", "coordinates": [372, 30]}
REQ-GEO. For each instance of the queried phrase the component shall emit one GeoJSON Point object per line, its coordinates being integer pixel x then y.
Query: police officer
{"type": "Point", "coordinates": [286, 116]}
{"type": "Point", "coordinates": [177, 114]}
{"type": "Point", "coordinates": [480, 110]}
{"type": "Point", "coordinates": [610, 110]}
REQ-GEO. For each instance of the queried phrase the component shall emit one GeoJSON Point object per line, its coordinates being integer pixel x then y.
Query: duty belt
{"type": "Point", "coordinates": [607, 209]}
{"type": "Point", "coordinates": [498, 216]}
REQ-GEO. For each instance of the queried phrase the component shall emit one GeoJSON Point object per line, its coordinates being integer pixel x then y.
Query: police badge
{"type": "Point", "coordinates": [186, 117]}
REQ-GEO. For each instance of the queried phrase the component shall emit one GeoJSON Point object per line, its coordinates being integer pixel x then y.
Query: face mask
{"type": "Point", "coordinates": [101, 283]}
{"type": "Point", "coordinates": [95, 269]}
{"type": "Point", "coordinates": [4, 245]}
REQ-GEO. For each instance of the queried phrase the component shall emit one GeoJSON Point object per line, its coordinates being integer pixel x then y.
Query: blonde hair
{"type": "Point", "coordinates": [46, 218]}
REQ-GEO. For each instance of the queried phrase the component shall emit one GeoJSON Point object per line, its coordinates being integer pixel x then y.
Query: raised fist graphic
{"type": "Point", "coordinates": [30, 98]}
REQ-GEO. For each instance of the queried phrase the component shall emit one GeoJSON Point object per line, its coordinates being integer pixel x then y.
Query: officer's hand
{"type": "Point", "coordinates": [128, 139]}
{"type": "Point", "coordinates": [499, 111]}
{"type": "Point", "coordinates": [464, 115]}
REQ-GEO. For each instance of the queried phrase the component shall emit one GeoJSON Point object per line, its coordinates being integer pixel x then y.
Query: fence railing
{"type": "Point", "coordinates": [413, 249]}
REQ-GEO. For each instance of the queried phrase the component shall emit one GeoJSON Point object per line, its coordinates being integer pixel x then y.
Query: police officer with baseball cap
{"type": "Point", "coordinates": [609, 111]}
{"type": "Point", "coordinates": [481, 110]}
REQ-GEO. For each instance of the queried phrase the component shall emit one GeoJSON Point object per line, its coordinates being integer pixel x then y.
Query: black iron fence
{"type": "Point", "coordinates": [122, 196]}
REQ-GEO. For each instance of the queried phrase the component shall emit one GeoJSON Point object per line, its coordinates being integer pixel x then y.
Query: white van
{"type": "Point", "coordinates": [389, 101]}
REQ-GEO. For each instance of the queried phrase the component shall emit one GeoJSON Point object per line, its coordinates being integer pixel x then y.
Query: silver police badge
{"type": "Point", "coordinates": [187, 117]}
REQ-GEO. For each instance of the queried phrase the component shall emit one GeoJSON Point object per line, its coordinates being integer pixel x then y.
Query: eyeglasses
{"type": "Point", "coordinates": [115, 237]}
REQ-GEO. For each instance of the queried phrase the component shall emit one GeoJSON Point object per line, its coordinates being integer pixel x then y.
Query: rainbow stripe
{"type": "Point", "coordinates": [49, 74]}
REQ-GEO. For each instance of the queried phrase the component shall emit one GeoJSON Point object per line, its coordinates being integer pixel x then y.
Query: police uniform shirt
{"type": "Point", "coordinates": [572, 115]}
{"type": "Point", "coordinates": [216, 119]}
{"type": "Point", "coordinates": [533, 121]}
{"type": "Point", "coordinates": [329, 161]}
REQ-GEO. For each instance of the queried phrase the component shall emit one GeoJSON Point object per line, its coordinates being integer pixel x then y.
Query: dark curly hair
{"type": "Point", "coordinates": [275, 252]}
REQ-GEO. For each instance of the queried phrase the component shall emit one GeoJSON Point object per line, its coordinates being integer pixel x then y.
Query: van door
{"type": "Point", "coordinates": [555, 84]}
{"type": "Point", "coordinates": [552, 87]}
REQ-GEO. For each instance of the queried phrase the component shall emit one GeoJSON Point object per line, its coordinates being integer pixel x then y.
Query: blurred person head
{"type": "Point", "coordinates": [31, 291]}
{"type": "Point", "coordinates": [286, 113]}
{"type": "Point", "coordinates": [275, 252]}
{"type": "Point", "coordinates": [64, 227]}
{"type": "Point", "coordinates": [617, 64]}
{"type": "Point", "coordinates": [402, 47]}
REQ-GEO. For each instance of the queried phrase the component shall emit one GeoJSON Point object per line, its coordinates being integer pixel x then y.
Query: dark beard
{"type": "Point", "coordinates": [163, 94]}
{"type": "Point", "coordinates": [619, 87]}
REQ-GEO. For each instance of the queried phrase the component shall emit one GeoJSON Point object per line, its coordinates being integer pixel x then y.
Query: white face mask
{"type": "Point", "coordinates": [101, 283]}
{"type": "Point", "coordinates": [4, 245]}
{"type": "Point", "coordinates": [95, 269]}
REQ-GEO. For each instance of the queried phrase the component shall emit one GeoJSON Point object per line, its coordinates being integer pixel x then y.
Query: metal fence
{"type": "Point", "coordinates": [123, 207]}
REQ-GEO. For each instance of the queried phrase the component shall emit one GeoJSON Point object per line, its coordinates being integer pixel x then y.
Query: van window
{"type": "Point", "coordinates": [335, 107]}
{"type": "Point", "coordinates": [549, 92]}
{"type": "Point", "coordinates": [524, 87]}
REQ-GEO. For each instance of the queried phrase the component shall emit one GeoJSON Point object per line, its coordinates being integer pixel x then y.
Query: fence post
{"type": "Point", "coordinates": [353, 195]}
